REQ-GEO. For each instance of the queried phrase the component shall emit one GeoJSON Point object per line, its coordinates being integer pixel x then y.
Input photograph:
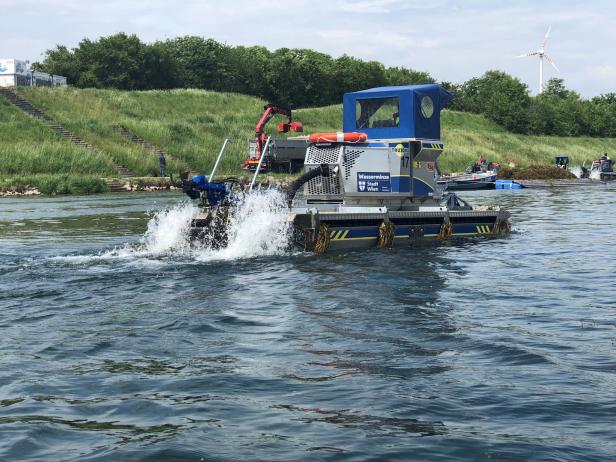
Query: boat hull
{"type": "Point", "coordinates": [333, 231]}
{"type": "Point", "coordinates": [361, 231]}
{"type": "Point", "coordinates": [469, 182]}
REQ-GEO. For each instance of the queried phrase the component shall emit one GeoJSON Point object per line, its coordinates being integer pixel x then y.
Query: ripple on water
{"type": "Point", "coordinates": [120, 341]}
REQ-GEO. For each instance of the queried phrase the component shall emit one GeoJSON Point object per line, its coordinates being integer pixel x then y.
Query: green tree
{"type": "Point", "coordinates": [117, 61]}
{"type": "Point", "coordinates": [456, 90]}
{"type": "Point", "coordinates": [556, 88]}
{"type": "Point", "coordinates": [602, 115]}
{"type": "Point", "coordinates": [500, 97]}
{"type": "Point", "coordinates": [352, 74]}
{"type": "Point", "coordinates": [160, 68]}
{"type": "Point", "coordinates": [60, 61]}
{"type": "Point", "coordinates": [559, 111]}
{"type": "Point", "coordinates": [404, 76]}
{"type": "Point", "coordinates": [199, 62]}
{"type": "Point", "coordinates": [248, 67]}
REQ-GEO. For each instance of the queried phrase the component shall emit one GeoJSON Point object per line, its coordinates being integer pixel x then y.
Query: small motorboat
{"type": "Point", "coordinates": [467, 181]}
{"type": "Point", "coordinates": [603, 168]}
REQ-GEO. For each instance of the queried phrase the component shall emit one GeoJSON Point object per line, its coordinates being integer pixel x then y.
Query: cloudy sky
{"type": "Point", "coordinates": [452, 39]}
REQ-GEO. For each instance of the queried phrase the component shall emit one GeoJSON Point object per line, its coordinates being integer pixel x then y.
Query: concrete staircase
{"type": "Point", "coordinates": [28, 108]}
{"type": "Point", "coordinates": [133, 137]}
{"type": "Point", "coordinates": [115, 186]}
{"type": "Point", "coordinates": [136, 139]}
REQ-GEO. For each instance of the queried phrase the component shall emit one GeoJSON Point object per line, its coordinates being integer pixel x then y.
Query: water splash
{"type": "Point", "coordinates": [166, 235]}
{"type": "Point", "coordinates": [259, 226]}
{"type": "Point", "coordinates": [594, 175]}
{"type": "Point", "coordinates": [168, 232]}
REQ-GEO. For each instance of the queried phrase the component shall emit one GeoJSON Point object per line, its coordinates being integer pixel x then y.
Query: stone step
{"type": "Point", "coordinates": [28, 108]}
{"type": "Point", "coordinates": [115, 186]}
{"type": "Point", "coordinates": [136, 139]}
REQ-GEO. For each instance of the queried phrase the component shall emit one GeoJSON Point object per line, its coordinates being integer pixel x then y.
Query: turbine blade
{"type": "Point", "coordinates": [545, 39]}
{"type": "Point", "coordinates": [532, 53]}
{"type": "Point", "coordinates": [549, 60]}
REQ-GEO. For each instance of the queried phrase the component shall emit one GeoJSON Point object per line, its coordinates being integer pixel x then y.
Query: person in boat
{"type": "Point", "coordinates": [482, 164]}
{"type": "Point", "coordinates": [163, 164]}
{"type": "Point", "coordinates": [605, 163]}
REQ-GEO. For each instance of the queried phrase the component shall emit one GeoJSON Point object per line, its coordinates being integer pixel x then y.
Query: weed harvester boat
{"type": "Point", "coordinates": [372, 185]}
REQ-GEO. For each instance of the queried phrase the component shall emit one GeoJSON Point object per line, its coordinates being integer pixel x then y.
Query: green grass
{"type": "Point", "coordinates": [190, 125]}
{"type": "Point", "coordinates": [29, 147]}
{"type": "Point", "coordinates": [54, 184]}
{"type": "Point", "coordinates": [467, 136]}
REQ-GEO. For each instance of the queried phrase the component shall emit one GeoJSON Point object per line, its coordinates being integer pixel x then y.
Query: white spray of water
{"type": "Point", "coordinates": [166, 234]}
{"type": "Point", "coordinates": [259, 226]}
{"type": "Point", "coordinates": [577, 171]}
{"type": "Point", "coordinates": [168, 231]}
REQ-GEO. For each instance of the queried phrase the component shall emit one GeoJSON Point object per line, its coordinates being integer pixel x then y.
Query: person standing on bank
{"type": "Point", "coordinates": [163, 163]}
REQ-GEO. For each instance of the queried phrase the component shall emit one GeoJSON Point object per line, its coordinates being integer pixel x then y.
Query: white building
{"type": "Point", "coordinates": [16, 73]}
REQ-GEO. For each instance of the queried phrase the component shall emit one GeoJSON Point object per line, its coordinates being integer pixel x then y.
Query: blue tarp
{"type": "Point", "coordinates": [419, 108]}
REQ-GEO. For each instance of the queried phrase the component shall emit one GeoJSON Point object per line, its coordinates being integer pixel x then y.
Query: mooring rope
{"type": "Point", "coordinates": [321, 243]}
{"type": "Point", "coordinates": [387, 233]}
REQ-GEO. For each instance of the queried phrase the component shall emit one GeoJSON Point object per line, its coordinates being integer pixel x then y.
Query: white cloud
{"type": "Point", "coordinates": [452, 39]}
{"type": "Point", "coordinates": [605, 72]}
{"type": "Point", "coordinates": [369, 6]}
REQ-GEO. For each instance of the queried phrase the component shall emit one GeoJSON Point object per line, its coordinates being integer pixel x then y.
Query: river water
{"type": "Point", "coordinates": [119, 342]}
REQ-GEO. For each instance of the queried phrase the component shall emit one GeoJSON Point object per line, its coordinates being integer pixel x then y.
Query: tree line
{"type": "Point", "coordinates": [292, 77]}
{"type": "Point", "coordinates": [557, 111]}
{"type": "Point", "coordinates": [303, 78]}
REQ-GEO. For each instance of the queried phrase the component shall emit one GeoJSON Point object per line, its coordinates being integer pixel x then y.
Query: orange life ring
{"type": "Point", "coordinates": [338, 137]}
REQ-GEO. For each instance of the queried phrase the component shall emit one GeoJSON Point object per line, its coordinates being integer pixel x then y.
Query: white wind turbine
{"type": "Point", "coordinates": [542, 54]}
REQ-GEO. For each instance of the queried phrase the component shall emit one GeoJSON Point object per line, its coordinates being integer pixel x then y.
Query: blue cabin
{"type": "Point", "coordinates": [404, 112]}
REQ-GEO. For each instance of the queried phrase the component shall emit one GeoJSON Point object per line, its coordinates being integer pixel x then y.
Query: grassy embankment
{"type": "Point", "coordinates": [31, 154]}
{"type": "Point", "coordinates": [190, 126]}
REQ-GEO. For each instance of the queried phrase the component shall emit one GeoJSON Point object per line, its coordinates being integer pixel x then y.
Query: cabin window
{"type": "Point", "coordinates": [377, 113]}
{"type": "Point", "coordinates": [427, 107]}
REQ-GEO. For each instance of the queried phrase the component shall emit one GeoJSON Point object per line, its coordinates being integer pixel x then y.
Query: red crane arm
{"type": "Point", "coordinates": [270, 110]}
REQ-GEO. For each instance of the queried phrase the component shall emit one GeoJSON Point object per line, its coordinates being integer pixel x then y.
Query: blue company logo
{"type": "Point", "coordinates": [373, 182]}
{"type": "Point", "coordinates": [4, 69]}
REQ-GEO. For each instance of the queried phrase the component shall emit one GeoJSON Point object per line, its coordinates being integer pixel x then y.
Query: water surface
{"type": "Point", "coordinates": [116, 347]}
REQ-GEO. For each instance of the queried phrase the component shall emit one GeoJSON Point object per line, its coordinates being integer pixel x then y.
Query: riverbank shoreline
{"type": "Point", "coordinates": [548, 174]}
{"type": "Point", "coordinates": [134, 184]}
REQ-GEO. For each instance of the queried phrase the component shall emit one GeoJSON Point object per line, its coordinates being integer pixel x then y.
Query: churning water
{"type": "Point", "coordinates": [120, 341]}
{"type": "Point", "coordinates": [258, 227]}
